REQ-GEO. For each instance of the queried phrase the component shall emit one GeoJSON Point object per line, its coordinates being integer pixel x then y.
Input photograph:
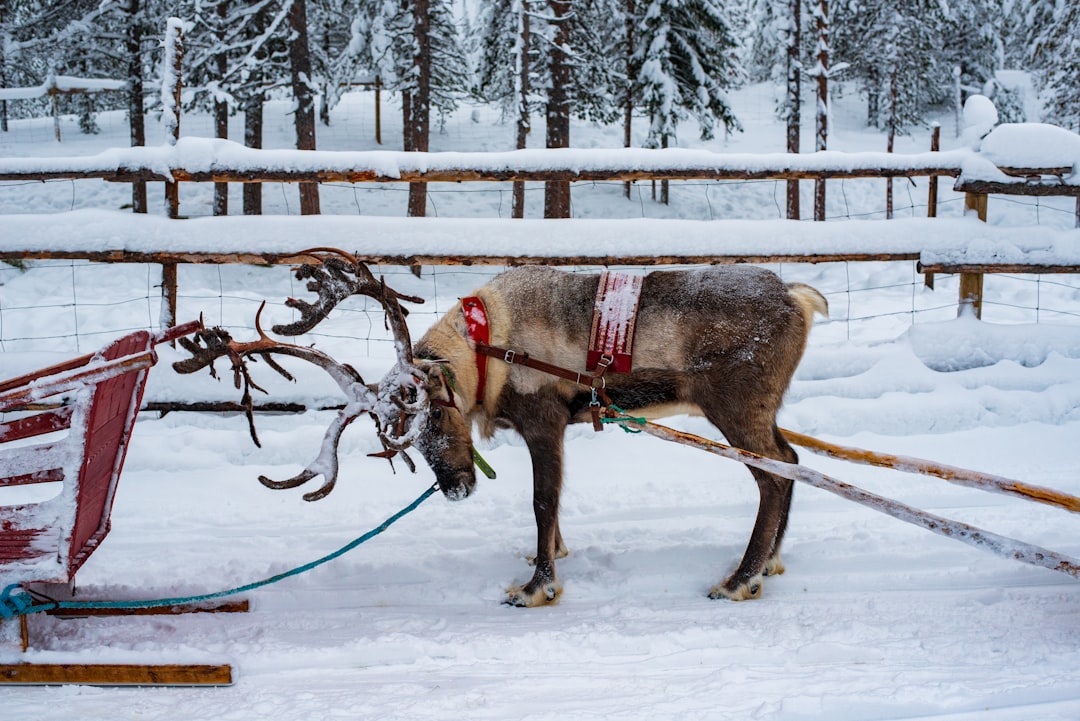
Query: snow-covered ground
{"type": "Point", "coordinates": [874, 618]}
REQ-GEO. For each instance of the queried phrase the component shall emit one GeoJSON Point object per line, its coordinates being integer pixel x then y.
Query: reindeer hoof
{"type": "Point", "coordinates": [530, 597]}
{"type": "Point", "coordinates": [742, 592]}
{"type": "Point", "coordinates": [773, 567]}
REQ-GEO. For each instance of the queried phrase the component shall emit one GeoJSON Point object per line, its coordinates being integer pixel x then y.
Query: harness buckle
{"type": "Point", "coordinates": [594, 411]}
{"type": "Point", "coordinates": [510, 356]}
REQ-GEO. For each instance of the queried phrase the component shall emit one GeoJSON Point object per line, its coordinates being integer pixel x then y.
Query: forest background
{"type": "Point", "coordinates": [604, 61]}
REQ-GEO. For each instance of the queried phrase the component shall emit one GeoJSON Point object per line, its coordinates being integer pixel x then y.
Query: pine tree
{"type": "Point", "coordinates": [504, 71]}
{"type": "Point", "coordinates": [894, 52]}
{"type": "Point", "coordinates": [1055, 55]}
{"type": "Point", "coordinates": [685, 64]}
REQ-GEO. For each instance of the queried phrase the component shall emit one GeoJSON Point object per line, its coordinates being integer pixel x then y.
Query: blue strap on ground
{"type": "Point", "coordinates": [14, 602]}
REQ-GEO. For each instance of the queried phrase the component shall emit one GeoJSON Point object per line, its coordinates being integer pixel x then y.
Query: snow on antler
{"type": "Point", "coordinates": [337, 276]}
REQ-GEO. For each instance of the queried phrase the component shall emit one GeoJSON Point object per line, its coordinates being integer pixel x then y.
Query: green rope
{"type": "Point", "coordinates": [624, 419]}
{"type": "Point", "coordinates": [14, 602]}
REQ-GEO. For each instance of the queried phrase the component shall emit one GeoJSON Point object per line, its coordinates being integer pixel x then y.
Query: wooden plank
{"type": "Point", "coordinates": [971, 293]}
{"type": "Point", "coordinates": [241, 606]}
{"type": "Point", "coordinates": [118, 674]}
{"type": "Point", "coordinates": [255, 258]}
{"type": "Point", "coordinates": [1041, 188]}
{"type": "Point", "coordinates": [1032, 268]}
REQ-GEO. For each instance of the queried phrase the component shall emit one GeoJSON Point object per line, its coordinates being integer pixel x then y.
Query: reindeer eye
{"type": "Point", "coordinates": [436, 413]}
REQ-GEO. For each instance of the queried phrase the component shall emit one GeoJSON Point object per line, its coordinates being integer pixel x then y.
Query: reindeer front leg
{"type": "Point", "coordinates": [545, 443]}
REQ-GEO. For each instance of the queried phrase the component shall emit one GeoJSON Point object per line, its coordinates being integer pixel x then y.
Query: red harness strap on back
{"type": "Point", "coordinates": [476, 321]}
{"type": "Point", "coordinates": [614, 319]}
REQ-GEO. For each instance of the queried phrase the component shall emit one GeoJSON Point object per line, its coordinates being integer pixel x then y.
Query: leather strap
{"type": "Point", "coordinates": [513, 357]}
{"type": "Point", "coordinates": [476, 323]}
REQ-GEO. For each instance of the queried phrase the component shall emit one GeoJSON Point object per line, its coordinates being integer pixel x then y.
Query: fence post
{"type": "Point", "coordinates": [971, 284]}
{"type": "Point", "coordinates": [378, 110]}
{"type": "Point", "coordinates": [931, 201]}
{"type": "Point", "coordinates": [170, 91]}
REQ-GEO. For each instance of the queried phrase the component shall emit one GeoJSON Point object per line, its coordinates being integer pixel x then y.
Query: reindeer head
{"type": "Point", "coordinates": [442, 433]}
{"type": "Point", "coordinates": [400, 406]}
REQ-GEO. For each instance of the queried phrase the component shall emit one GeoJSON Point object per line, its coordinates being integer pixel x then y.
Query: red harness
{"type": "Point", "coordinates": [610, 344]}
{"type": "Point", "coordinates": [476, 321]}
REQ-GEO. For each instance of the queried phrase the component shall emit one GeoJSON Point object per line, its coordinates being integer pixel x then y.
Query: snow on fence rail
{"type": "Point", "coordinates": [194, 159]}
{"type": "Point", "coordinates": [125, 237]}
{"type": "Point", "coordinates": [57, 85]}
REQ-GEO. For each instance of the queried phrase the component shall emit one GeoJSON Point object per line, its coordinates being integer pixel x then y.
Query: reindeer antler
{"type": "Point", "coordinates": [336, 277]}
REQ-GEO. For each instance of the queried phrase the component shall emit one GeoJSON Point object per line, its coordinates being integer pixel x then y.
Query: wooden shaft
{"type": "Point", "coordinates": [952, 474]}
{"type": "Point", "coordinates": [986, 540]}
{"type": "Point", "coordinates": [116, 674]}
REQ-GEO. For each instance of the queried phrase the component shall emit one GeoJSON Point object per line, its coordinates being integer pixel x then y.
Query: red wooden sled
{"type": "Point", "coordinates": [71, 424]}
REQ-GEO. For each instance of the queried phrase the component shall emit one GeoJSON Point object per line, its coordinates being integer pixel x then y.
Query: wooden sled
{"type": "Point", "coordinates": [71, 424]}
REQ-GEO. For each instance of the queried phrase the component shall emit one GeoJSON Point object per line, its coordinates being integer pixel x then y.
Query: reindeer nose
{"type": "Point", "coordinates": [458, 487]}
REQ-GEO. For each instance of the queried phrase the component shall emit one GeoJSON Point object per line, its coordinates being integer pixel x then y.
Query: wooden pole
{"type": "Point", "coordinates": [55, 112]}
{"type": "Point", "coordinates": [952, 474]}
{"type": "Point", "coordinates": [986, 540]}
{"type": "Point", "coordinates": [931, 201]}
{"type": "Point", "coordinates": [169, 271]}
{"type": "Point", "coordinates": [971, 284]}
{"type": "Point", "coordinates": [378, 110]}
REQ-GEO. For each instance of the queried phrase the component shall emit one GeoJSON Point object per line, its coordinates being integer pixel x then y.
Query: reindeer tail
{"type": "Point", "coordinates": [810, 300]}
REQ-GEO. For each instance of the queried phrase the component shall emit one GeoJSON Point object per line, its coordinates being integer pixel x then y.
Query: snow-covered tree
{"type": "Point", "coordinates": [894, 54]}
{"type": "Point", "coordinates": [415, 48]}
{"type": "Point", "coordinates": [504, 71]}
{"type": "Point", "coordinates": [1053, 32]}
{"type": "Point", "coordinates": [972, 41]}
{"type": "Point", "coordinates": [684, 65]}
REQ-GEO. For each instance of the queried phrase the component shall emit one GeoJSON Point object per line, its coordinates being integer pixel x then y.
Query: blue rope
{"type": "Point", "coordinates": [14, 602]}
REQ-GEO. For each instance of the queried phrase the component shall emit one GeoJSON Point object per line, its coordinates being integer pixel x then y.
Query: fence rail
{"type": "Point", "coordinates": [205, 160]}
{"type": "Point", "coordinates": [219, 161]}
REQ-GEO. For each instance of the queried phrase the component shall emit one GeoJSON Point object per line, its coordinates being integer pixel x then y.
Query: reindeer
{"type": "Point", "coordinates": [722, 342]}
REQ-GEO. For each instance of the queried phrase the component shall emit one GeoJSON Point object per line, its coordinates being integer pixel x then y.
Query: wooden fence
{"type": "Point", "coordinates": [201, 160]}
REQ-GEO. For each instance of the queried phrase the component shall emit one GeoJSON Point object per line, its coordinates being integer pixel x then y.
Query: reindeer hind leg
{"type": "Point", "coordinates": [762, 555]}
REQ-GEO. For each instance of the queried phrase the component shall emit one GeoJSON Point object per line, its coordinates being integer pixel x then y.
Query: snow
{"type": "Point", "coordinates": [945, 239]}
{"type": "Point", "coordinates": [1033, 145]}
{"type": "Point", "coordinates": [873, 619]}
{"type": "Point", "coordinates": [980, 117]}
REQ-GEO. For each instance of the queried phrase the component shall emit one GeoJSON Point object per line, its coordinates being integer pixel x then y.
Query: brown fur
{"type": "Point", "coordinates": [722, 342]}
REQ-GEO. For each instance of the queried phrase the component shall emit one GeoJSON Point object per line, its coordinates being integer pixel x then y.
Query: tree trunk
{"type": "Point", "coordinates": [3, 70]}
{"type": "Point", "coordinates": [524, 124]}
{"type": "Point", "coordinates": [822, 101]}
{"type": "Point", "coordinates": [557, 192]}
{"type": "Point", "coordinates": [221, 115]}
{"type": "Point", "coordinates": [136, 114]}
{"type": "Point", "coordinates": [893, 110]}
{"type": "Point", "coordinates": [628, 101]}
{"type": "Point", "coordinates": [253, 132]}
{"type": "Point", "coordinates": [300, 65]}
{"type": "Point", "coordinates": [794, 101]}
{"type": "Point", "coordinates": [420, 100]}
